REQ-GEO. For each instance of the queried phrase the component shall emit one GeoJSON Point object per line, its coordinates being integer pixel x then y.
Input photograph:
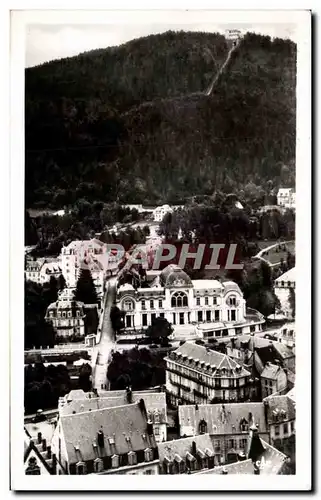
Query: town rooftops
{"type": "Point", "coordinates": [206, 360]}
{"type": "Point", "coordinates": [155, 402]}
{"type": "Point", "coordinates": [284, 191]}
{"type": "Point", "coordinates": [179, 449]}
{"type": "Point", "coordinates": [122, 429]}
{"type": "Point", "coordinates": [267, 349]}
{"type": "Point", "coordinates": [273, 462]}
{"type": "Point", "coordinates": [288, 276]}
{"type": "Point", "coordinates": [223, 418]}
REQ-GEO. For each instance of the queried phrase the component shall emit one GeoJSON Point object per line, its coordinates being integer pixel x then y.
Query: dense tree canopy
{"type": "Point", "coordinates": [85, 288]}
{"type": "Point", "coordinates": [131, 123]}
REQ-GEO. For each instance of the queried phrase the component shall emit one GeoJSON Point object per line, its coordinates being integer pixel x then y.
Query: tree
{"type": "Point", "coordinates": [292, 302]}
{"type": "Point", "coordinates": [61, 282]}
{"type": "Point", "coordinates": [160, 330]}
{"type": "Point", "coordinates": [117, 319]}
{"type": "Point", "coordinates": [85, 289]}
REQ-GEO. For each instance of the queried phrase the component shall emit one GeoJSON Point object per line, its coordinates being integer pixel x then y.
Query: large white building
{"type": "Point", "coordinates": [67, 316]}
{"type": "Point", "coordinates": [212, 308]}
{"type": "Point", "coordinates": [284, 287]}
{"type": "Point", "coordinates": [91, 254]}
{"type": "Point", "coordinates": [160, 212]}
{"type": "Point", "coordinates": [286, 198]}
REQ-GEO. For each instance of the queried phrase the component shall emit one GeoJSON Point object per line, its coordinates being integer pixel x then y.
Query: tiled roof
{"type": "Point", "coordinates": [223, 419]}
{"type": "Point", "coordinates": [288, 276]}
{"type": "Point", "coordinates": [230, 286]}
{"type": "Point", "coordinates": [154, 402]}
{"type": "Point", "coordinates": [81, 430]}
{"type": "Point", "coordinates": [207, 284]}
{"type": "Point", "coordinates": [181, 447]}
{"type": "Point", "coordinates": [280, 408]}
{"type": "Point", "coordinates": [270, 371]}
{"type": "Point", "coordinates": [213, 361]}
{"type": "Point", "coordinates": [173, 273]}
{"type": "Point", "coordinates": [272, 464]}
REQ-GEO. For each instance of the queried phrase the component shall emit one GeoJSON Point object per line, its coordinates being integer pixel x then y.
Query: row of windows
{"type": "Point", "coordinates": [63, 314]}
{"type": "Point", "coordinates": [288, 428]}
{"type": "Point", "coordinates": [115, 461]}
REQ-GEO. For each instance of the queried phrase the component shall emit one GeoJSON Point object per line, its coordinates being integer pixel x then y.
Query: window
{"type": "Point", "coordinates": [143, 305]}
{"type": "Point", "coordinates": [208, 316]}
{"type": "Point", "coordinates": [162, 315]}
{"type": "Point", "coordinates": [69, 314]}
{"type": "Point", "coordinates": [199, 316]}
{"type": "Point", "coordinates": [33, 468]}
{"type": "Point", "coordinates": [198, 301]}
{"type": "Point", "coordinates": [292, 426]}
{"type": "Point", "coordinates": [217, 315]}
{"type": "Point", "coordinates": [132, 458]}
{"type": "Point", "coordinates": [217, 445]}
{"type": "Point", "coordinates": [148, 472]}
{"type": "Point", "coordinates": [277, 430]}
{"type": "Point", "coordinates": [128, 305]}
{"type": "Point", "coordinates": [59, 314]}
{"type": "Point", "coordinates": [243, 443]}
{"type": "Point", "coordinates": [202, 427]}
{"type": "Point", "coordinates": [233, 315]}
{"type": "Point", "coordinates": [232, 300]}
{"type": "Point", "coordinates": [244, 425]}
{"type": "Point", "coordinates": [98, 465]}
{"type": "Point", "coordinates": [285, 428]}
{"type": "Point", "coordinates": [80, 468]}
{"type": "Point", "coordinates": [160, 304]}
{"type": "Point", "coordinates": [78, 313]}
{"type": "Point", "coordinates": [144, 318]}
{"type": "Point", "coordinates": [115, 461]}
{"type": "Point", "coordinates": [232, 443]}
{"type": "Point", "coordinates": [152, 304]}
{"type": "Point", "coordinates": [148, 454]}
{"type": "Point", "coordinates": [156, 430]}
{"type": "Point", "coordinates": [206, 301]}
{"type": "Point", "coordinates": [179, 299]}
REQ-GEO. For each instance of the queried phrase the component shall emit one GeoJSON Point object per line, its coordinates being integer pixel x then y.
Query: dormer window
{"type": "Point", "coordinates": [156, 417]}
{"type": "Point", "coordinates": [115, 461]}
{"type": "Point", "coordinates": [202, 427]}
{"type": "Point", "coordinates": [148, 454]}
{"type": "Point", "coordinates": [244, 425]}
{"type": "Point", "coordinates": [111, 440]}
{"type": "Point", "coordinates": [132, 458]}
{"type": "Point", "coordinates": [98, 465]}
{"type": "Point", "coordinates": [80, 468]}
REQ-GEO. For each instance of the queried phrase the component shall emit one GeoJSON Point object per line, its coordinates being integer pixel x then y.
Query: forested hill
{"type": "Point", "coordinates": [129, 123]}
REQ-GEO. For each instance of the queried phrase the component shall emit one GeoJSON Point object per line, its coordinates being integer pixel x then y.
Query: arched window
{"type": "Point", "coordinates": [98, 465]}
{"type": "Point", "coordinates": [202, 427]}
{"type": "Point", "coordinates": [232, 300]}
{"type": "Point", "coordinates": [132, 458]}
{"type": "Point", "coordinates": [128, 305]}
{"type": "Point", "coordinates": [179, 299]}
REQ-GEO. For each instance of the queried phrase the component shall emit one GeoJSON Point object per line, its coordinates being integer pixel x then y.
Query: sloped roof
{"type": "Point", "coordinates": [209, 357]}
{"type": "Point", "coordinates": [270, 371]}
{"type": "Point", "coordinates": [231, 286]}
{"type": "Point", "coordinates": [223, 419]}
{"type": "Point", "coordinates": [272, 464]}
{"type": "Point", "coordinates": [207, 284]}
{"type": "Point", "coordinates": [181, 447]}
{"type": "Point", "coordinates": [81, 430]}
{"type": "Point", "coordinates": [280, 408]}
{"type": "Point", "coordinates": [288, 276]}
{"type": "Point", "coordinates": [154, 402]}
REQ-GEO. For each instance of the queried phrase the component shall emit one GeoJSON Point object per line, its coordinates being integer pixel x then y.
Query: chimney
{"type": "Point", "coordinates": [142, 407]}
{"type": "Point", "coordinates": [100, 439]}
{"type": "Point", "coordinates": [194, 449]}
{"type": "Point", "coordinates": [150, 431]}
{"type": "Point", "coordinates": [129, 395]}
{"type": "Point", "coordinates": [44, 445]}
{"type": "Point", "coordinates": [48, 451]}
{"type": "Point", "coordinates": [39, 437]}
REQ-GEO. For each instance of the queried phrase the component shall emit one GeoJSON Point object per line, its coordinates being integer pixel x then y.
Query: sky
{"type": "Point", "coordinates": [45, 42]}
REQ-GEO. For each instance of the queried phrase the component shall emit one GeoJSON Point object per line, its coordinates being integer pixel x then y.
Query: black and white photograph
{"type": "Point", "coordinates": [163, 276]}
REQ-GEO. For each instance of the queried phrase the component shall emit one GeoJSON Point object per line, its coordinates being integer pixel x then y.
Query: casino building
{"type": "Point", "coordinates": [214, 309]}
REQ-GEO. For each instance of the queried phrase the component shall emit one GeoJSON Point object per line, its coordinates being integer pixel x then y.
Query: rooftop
{"type": "Point", "coordinates": [290, 275]}
{"type": "Point", "coordinates": [123, 428]}
{"type": "Point", "coordinates": [223, 418]}
{"type": "Point", "coordinates": [280, 408]}
{"type": "Point", "coordinates": [179, 448]}
{"type": "Point", "coordinates": [173, 275]}
{"type": "Point", "coordinates": [270, 371]}
{"type": "Point", "coordinates": [207, 284]}
{"type": "Point", "coordinates": [203, 359]}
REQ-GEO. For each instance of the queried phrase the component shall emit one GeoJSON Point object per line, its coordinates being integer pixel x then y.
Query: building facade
{"type": "Point", "coordinates": [67, 317]}
{"type": "Point", "coordinates": [160, 212]}
{"type": "Point", "coordinates": [195, 374]}
{"type": "Point", "coordinates": [117, 440]}
{"type": "Point", "coordinates": [284, 288]}
{"type": "Point", "coordinates": [227, 424]}
{"type": "Point", "coordinates": [286, 198]}
{"type": "Point", "coordinates": [273, 380]}
{"type": "Point", "coordinates": [213, 308]}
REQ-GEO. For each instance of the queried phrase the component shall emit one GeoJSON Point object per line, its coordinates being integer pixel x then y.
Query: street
{"type": "Point", "coordinates": [107, 342]}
